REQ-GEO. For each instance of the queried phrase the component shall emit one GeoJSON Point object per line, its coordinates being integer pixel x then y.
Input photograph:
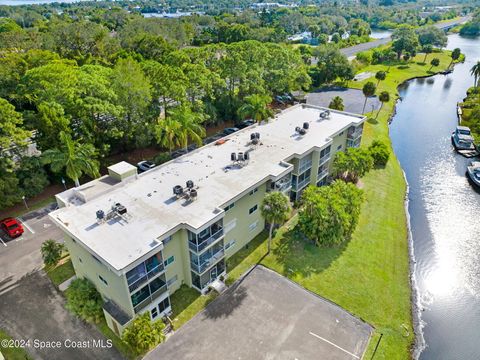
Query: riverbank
{"type": "Point", "coordinates": [471, 111]}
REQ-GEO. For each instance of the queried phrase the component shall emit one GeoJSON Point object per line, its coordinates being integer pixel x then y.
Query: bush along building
{"type": "Point", "coordinates": [139, 237]}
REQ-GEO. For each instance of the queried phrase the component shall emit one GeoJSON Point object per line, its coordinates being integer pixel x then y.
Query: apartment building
{"type": "Point", "coordinates": [139, 237]}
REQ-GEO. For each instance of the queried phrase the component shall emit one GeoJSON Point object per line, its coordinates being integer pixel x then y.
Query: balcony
{"type": "Point", "coordinates": [355, 134]}
{"type": "Point", "coordinates": [322, 174]}
{"type": "Point", "coordinates": [145, 272]}
{"type": "Point", "coordinates": [324, 159]}
{"type": "Point", "coordinates": [301, 184]}
{"type": "Point", "coordinates": [200, 266]}
{"type": "Point", "coordinates": [198, 247]}
{"type": "Point", "coordinates": [149, 293]}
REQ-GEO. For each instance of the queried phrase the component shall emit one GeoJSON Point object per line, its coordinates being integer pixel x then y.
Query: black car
{"type": "Point", "coordinates": [228, 131]}
{"type": "Point", "coordinates": [245, 123]}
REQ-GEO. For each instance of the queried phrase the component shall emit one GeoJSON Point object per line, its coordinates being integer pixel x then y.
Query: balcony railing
{"type": "Point", "coordinates": [150, 298]}
{"type": "Point", "coordinates": [322, 174]}
{"type": "Point", "coordinates": [324, 159]}
{"type": "Point", "coordinates": [211, 240]}
{"type": "Point", "coordinates": [148, 276]}
{"type": "Point", "coordinates": [300, 185]}
{"type": "Point", "coordinates": [200, 268]}
{"type": "Point", "coordinates": [355, 134]}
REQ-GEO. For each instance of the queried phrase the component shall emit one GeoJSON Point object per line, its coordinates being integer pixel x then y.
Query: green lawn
{"type": "Point", "coordinates": [121, 346]}
{"type": "Point", "coordinates": [12, 353]}
{"type": "Point", "coordinates": [61, 273]}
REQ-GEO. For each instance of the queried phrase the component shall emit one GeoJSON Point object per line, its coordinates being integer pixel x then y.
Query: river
{"type": "Point", "coordinates": [444, 209]}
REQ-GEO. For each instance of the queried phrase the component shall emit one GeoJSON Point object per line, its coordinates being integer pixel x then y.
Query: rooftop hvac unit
{"type": "Point", "coordinates": [189, 184]}
{"type": "Point", "coordinates": [177, 190]}
{"type": "Point", "coordinates": [255, 141]}
{"type": "Point", "coordinates": [240, 156]}
{"type": "Point", "coordinates": [325, 114]}
{"type": "Point", "coordinates": [246, 156]}
{"type": "Point", "coordinates": [306, 125]}
{"type": "Point", "coordinates": [193, 194]}
{"type": "Point", "coordinates": [253, 136]}
{"type": "Point", "coordinates": [302, 131]}
{"type": "Point", "coordinates": [298, 128]}
{"type": "Point", "coordinates": [257, 135]}
{"type": "Point", "coordinates": [100, 214]}
{"type": "Point", "coordinates": [121, 210]}
{"type": "Point", "coordinates": [233, 156]}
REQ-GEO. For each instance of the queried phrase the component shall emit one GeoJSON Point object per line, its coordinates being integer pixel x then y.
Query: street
{"type": "Point", "coordinates": [21, 256]}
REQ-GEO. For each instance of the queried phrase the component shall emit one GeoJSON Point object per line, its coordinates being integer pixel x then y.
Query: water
{"type": "Point", "coordinates": [444, 209]}
{"type": "Point", "coordinates": [380, 34]}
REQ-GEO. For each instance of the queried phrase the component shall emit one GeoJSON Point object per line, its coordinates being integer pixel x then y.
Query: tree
{"type": "Point", "coordinates": [431, 35]}
{"type": "Point", "coordinates": [189, 125]}
{"type": "Point", "coordinates": [352, 164]}
{"type": "Point", "coordinates": [329, 214]}
{"type": "Point", "coordinates": [256, 107]}
{"type": "Point", "coordinates": [32, 176]}
{"type": "Point", "coordinates": [51, 252]}
{"type": "Point", "coordinates": [455, 55]}
{"type": "Point", "coordinates": [10, 193]}
{"type": "Point", "coordinates": [368, 90]}
{"type": "Point", "coordinates": [404, 39]}
{"type": "Point", "coordinates": [143, 334]}
{"type": "Point", "coordinates": [76, 158]}
{"type": "Point", "coordinates": [379, 152]}
{"type": "Point", "coordinates": [434, 62]}
{"type": "Point", "coordinates": [11, 131]}
{"type": "Point", "coordinates": [380, 76]}
{"type": "Point", "coordinates": [475, 71]}
{"type": "Point", "coordinates": [84, 300]}
{"type": "Point", "coordinates": [427, 49]}
{"type": "Point", "coordinates": [167, 133]}
{"type": "Point", "coordinates": [337, 103]}
{"type": "Point", "coordinates": [275, 209]}
{"type": "Point", "coordinates": [384, 97]}
{"type": "Point", "coordinates": [332, 64]}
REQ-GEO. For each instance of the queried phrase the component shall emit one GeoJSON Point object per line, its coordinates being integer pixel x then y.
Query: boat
{"type": "Point", "coordinates": [462, 138]}
{"type": "Point", "coordinates": [473, 171]}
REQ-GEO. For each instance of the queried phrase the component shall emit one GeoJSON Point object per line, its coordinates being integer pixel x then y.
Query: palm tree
{"type": "Point", "coordinates": [337, 103]}
{"type": "Point", "coordinates": [368, 90]}
{"type": "Point", "coordinates": [434, 62]}
{"type": "Point", "coordinates": [455, 55]}
{"type": "Point", "coordinates": [76, 158]}
{"type": "Point", "coordinates": [475, 71]}
{"type": "Point", "coordinates": [427, 49]}
{"type": "Point", "coordinates": [380, 76]}
{"type": "Point", "coordinates": [384, 97]}
{"type": "Point", "coordinates": [189, 125]}
{"type": "Point", "coordinates": [167, 132]}
{"type": "Point", "coordinates": [275, 209]}
{"type": "Point", "coordinates": [256, 107]}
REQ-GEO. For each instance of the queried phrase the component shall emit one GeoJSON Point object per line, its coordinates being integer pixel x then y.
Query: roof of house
{"type": "Point", "coordinates": [153, 212]}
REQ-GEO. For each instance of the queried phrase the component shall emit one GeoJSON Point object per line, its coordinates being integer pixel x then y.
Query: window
{"type": "Point", "coordinates": [341, 133]}
{"type": "Point", "coordinates": [305, 163]}
{"type": "Point", "coordinates": [170, 260]}
{"type": "Point", "coordinates": [80, 259]}
{"type": "Point", "coordinates": [229, 207]}
{"type": "Point", "coordinates": [103, 280]}
{"type": "Point", "coordinates": [154, 312]}
{"type": "Point", "coordinates": [166, 240]}
{"type": "Point", "coordinates": [325, 152]}
{"type": "Point", "coordinates": [253, 209]}
{"type": "Point", "coordinates": [253, 191]}
{"type": "Point", "coordinates": [163, 305]}
{"type": "Point", "coordinates": [253, 226]}
{"type": "Point", "coordinates": [172, 280]}
{"type": "Point", "coordinates": [339, 147]}
{"type": "Point", "coordinates": [229, 244]}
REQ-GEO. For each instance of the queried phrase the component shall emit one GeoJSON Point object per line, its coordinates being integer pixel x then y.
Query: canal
{"type": "Point", "coordinates": [444, 209]}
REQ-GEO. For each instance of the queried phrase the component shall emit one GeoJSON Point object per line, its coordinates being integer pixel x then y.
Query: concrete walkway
{"type": "Point", "coordinates": [66, 284]}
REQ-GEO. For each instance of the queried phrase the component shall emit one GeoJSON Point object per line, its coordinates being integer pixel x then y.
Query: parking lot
{"type": "Point", "coordinates": [353, 99]}
{"type": "Point", "coordinates": [267, 316]}
{"type": "Point", "coordinates": [21, 256]}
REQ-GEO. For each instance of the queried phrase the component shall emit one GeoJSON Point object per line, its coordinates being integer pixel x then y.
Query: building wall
{"type": "Point", "coordinates": [87, 266]}
{"type": "Point", "coordinates": [241, 233]}
{"type": "Point", "coordinates": [178, 248]}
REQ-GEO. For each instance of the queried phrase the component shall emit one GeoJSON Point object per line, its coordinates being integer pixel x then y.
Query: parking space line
{"type": "Point", "coordinates": [24, 223]}
{"type": "Point", "coordinates": [3, 241]}
{"type": "Point", "coordinates": [338, 347]}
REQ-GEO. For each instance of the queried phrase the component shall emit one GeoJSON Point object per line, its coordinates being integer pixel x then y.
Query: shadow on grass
{"type": "Point", "coordinates": [299, 256]}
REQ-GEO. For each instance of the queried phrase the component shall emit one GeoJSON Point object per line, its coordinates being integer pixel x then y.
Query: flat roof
{"type": "Point", "coordinates": [267, 316]}
{"type": "Point", "coordinates": [152, 209]}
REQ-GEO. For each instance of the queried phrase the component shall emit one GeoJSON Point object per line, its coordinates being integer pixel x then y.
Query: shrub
{"type": "Point", "coordinates": [143, 334]}
{"type": "Point", "coordinates": [51, 252]}
{"type": "Point", "coordinates": [162, 158]}
{"type": "Point", "coordinates": [365, 57]}
{"type": "Point", "coordinates": [380, 153]}
{"type": "Point", "coordinates": [352, 164]}
{"type": "Point", "coordinates": [84, 300]}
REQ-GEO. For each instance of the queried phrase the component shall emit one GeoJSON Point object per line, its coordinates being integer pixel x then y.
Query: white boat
{"type": "Point", "coordinates": [462, 138]}
{"type": "Point", "coordinates": [473, 171]}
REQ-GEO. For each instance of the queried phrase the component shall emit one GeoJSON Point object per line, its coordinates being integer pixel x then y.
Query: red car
{"type": "Point", "coordinates": [12, 227]}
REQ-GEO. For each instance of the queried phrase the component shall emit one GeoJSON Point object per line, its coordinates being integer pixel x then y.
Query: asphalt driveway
{"type": "Point", "coordinates": [31, 308]}
{"type": "Point", "coordinates": [267, 316]}
{"type": "Point", "coordinates": [353, 99]}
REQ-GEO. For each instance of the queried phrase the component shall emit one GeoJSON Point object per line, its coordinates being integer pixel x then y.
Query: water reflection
{"type": "Point", "coordinates": [444, 209]}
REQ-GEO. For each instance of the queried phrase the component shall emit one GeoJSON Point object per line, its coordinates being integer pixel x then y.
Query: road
{"type": "Point", "coordinates": [21, 256]}
{"type": "Point", "coordinates": [353, 50]}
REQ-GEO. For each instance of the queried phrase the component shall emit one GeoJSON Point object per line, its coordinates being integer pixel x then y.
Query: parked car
{"type": "Point", "coordinates": [12, 227]}
{"type": "Point", "coordinates": [228, 131]}
{"type": "Point", "coordinates": [245, 123]}
{"type": "Point", "coordinates": [462, 138]}
{"type": "Point", "coordinates": [178, 153]}
{"type": "Point", "coordinates": [145, 165]}
{"type": "Point", "coordinates": [211, 139]}
{"type": "Point", "coordinates": [473, 171]}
